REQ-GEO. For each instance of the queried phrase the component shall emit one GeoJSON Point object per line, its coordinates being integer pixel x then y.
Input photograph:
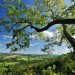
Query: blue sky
{"type": "Point", "coordinates": [35, 46]}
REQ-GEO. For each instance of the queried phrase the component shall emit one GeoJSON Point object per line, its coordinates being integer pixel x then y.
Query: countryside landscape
{"type": "Point", "coordinates": [18, 64]}
{"type": "Point", "coordinates": [37, 37]}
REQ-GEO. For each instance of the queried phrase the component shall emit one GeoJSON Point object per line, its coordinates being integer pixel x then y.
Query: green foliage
{"type": "Point", "coordinates": [61, 65]}
{"type": "Point", "coordinates": [20, 15]}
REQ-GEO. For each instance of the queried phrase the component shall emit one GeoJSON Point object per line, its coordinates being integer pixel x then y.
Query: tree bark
{"type": "Point", "coordinates": [60, 21]}
{"type": "Point", "coordinates": [70, 39]}
{"type": "Point", "coordinates": [68, 36]}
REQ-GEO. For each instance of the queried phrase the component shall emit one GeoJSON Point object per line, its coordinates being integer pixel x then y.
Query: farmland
{"type": "Point", "coordinates": [17, 64]}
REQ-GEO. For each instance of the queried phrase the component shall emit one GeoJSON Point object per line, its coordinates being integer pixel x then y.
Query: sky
{"type": "Point", "coordinates": [36, 45]}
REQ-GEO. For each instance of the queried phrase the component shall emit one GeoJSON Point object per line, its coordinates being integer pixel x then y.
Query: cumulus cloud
{"type": "Point", "coordinates": [73, 36]}
{"type": "Point", "coordinates": [57, 33]}
{"type": "Point", "coordinates": [32, 36]}
{"type": "Point", "coordinates": [45, 33]}
{"type": "Point", "coordinates": [31, 45]}
{"type": "Point", "coordinates": [34, 44]}
{"type": "Point", "coordinates": [60, 52]}
{"type": "Point", "coordinates": [48, 34]}
{"type": "Point", "coordinates": [7, 36]}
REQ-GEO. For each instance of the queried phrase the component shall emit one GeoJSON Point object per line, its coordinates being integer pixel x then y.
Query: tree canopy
{"type": "Point", "coordinates": [40, 16]}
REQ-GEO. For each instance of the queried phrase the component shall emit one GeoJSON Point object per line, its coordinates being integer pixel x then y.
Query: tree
{"type": "Point", "coordinates": [40, 16]}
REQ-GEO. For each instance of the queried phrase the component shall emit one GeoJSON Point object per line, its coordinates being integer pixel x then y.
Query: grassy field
{"type": "Point", "coordinates": [12, 59]}
{"type": "Point", "coordinates": [17, 64]}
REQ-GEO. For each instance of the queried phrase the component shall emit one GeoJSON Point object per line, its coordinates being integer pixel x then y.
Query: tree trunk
{"type": "Point", "coordinates": [69, 38]}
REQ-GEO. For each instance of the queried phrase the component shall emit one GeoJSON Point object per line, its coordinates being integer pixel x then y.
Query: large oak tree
{"type": "Point", "coordinates": [40, 16]}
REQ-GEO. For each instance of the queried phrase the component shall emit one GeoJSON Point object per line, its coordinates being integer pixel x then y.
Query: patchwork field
{"type": "Point", "coordinates": [16, 64]}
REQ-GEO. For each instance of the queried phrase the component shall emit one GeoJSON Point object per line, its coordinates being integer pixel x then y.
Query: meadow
{"type": "Point", "coordinates": [19, 64]}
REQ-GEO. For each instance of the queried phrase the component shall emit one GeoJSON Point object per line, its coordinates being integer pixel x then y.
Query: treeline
{"type": "Point", "coordinates": [62, 65]}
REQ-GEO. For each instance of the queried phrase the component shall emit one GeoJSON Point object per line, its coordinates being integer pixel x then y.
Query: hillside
{"type": "Point", "coordinates": [14, 64]}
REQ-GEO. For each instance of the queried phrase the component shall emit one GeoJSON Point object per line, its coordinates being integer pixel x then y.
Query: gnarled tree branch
{"type": "Point", "coordinates": [63, 21]}
{"type": "Point", "coordinates": [60, 21]}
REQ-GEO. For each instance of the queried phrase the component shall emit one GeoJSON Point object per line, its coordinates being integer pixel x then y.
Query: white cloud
{"type": "Point", "coordinates": [48, 34]}
{"type": "Point", "coordinates": [31, 45]}
{"type": "Point", "coordinates": [7, 42]}
{"type": "Point", "coordinates": [73, 36]}
{"type": "Point", "coordinates": [57, 33]}
{"type": "Point", "coordinates": [60, 52]}
{"type": "Point", "coordinates": [45, 33]}
{"type": "Point", "coordinates": [34, 44]}
{"type": "Point", "coordinates": [7, 36]}
{"type": "Point", "coordinates": [32, 36]}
